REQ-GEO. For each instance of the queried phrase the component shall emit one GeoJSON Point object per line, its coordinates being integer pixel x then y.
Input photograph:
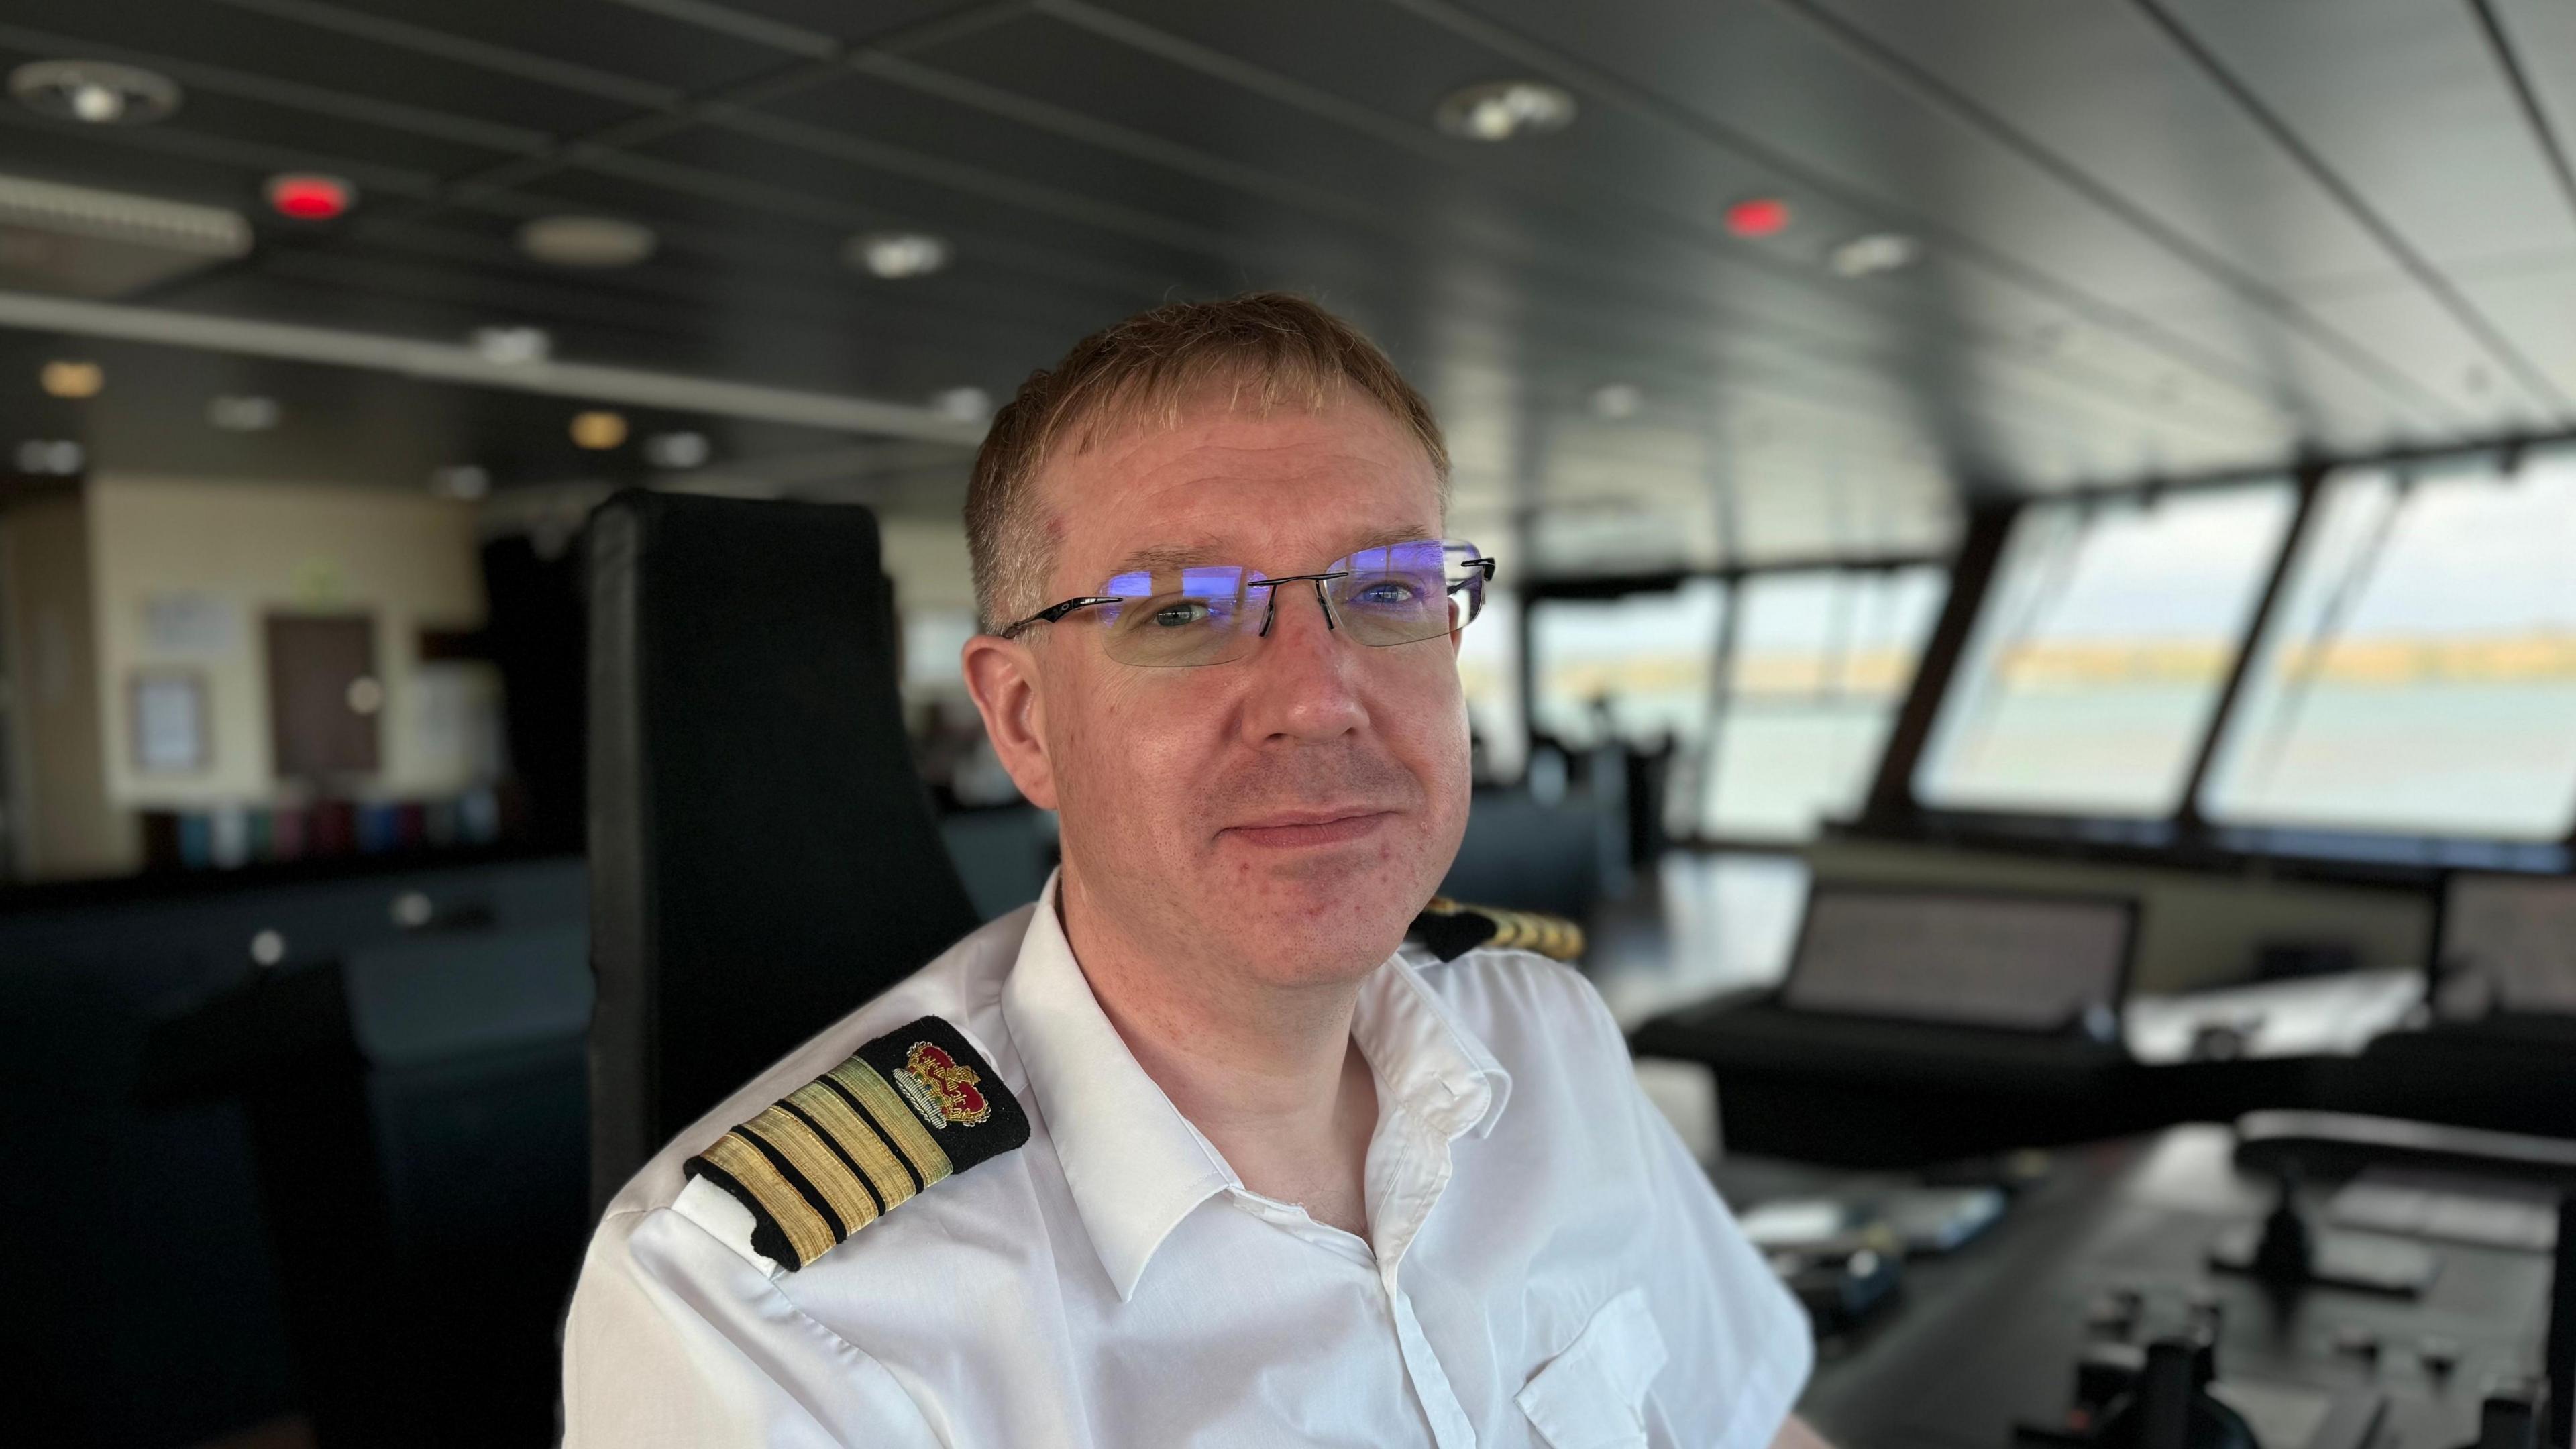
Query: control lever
{"type": "Point", "coordinates": [2171, 1406]}
{"type": "Point", "coordinates": [2286, 1255]}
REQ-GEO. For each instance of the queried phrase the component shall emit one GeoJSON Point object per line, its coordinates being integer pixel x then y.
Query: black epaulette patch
{"type": "Point", "coordinates": [914, 1106]}
{"type": "Point", "coordinates": [1451, 930]}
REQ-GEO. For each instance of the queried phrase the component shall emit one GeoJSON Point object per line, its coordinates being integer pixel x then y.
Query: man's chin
{"type": "Point", "coordinates": [1324, 926]}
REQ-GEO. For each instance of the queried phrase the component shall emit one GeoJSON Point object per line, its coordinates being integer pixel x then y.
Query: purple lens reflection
{"type": "Point", "coordinates": [1221, 589]}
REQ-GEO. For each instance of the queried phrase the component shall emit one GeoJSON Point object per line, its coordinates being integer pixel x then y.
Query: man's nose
{"type": "Point", "coordinates": [1306, 673]}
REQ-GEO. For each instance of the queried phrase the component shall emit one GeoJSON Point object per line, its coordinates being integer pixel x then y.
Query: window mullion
{"type": "Point", "coordinates": [2311, 486]}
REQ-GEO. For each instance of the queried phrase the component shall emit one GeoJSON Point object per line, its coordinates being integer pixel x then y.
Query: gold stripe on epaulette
{"type": "Point", "coordinates": [1561, 939]}
{"type": "Point", "coordinates": [858, 1141]}
{"type": "Point", "coordinates": [1551, 936]}
{"type": "Point", "coordinates": [806, 1231]}
{"type": "Point", "coordinates": [819, 1165]}
{"type": "Point", "coordinates": [876, 1094]}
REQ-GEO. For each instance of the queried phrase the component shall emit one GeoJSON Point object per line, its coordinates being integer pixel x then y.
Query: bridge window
{"type": "Point", "coordinates": [1821, 659]}
{"type": "Point", "coordinates": [1489, 673]}
{"type": "Point", "coordinates": [2105, 640]}
{"type": "Point", "coordinates": [1634, 668]}
{"type": "Point", "coordinates": [2419, 672]}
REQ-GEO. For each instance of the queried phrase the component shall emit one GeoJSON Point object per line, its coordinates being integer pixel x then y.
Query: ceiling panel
{"type": "Point", "coordinates": [2539, 298]}
{"type": "Point", "coordinates": [2397, 320]}
{"type": "Point", "coordinates": [226, 36]}
{"type": "Point", "coordinates": [623, 41]}
{"type": "Point", "coordinates": [2100, 96]}
{"type": "Point", "coordinates": [2099, 91]}
{"type": "Point", "coordinates": [1607, 240]}
{"type": "Point", "coordinates": [171, 165]}
{"type": "Point", "coordinates": [845, 20]}
{"type": "Point", "coordinates": [2129, 270]}
{"type": "Point", "coordinates": [2541, 35]}
{"type": "Point", "coordinates": [1616, 170]}
{"type": "Point", "coordinates": [1753, 78]}
{"type": "Point", "coordinates": [1843, 116]}
{"type": "Point", "coordinates": [2408, 104]}
{"type": "Point", "coordinates": [2410, 108]}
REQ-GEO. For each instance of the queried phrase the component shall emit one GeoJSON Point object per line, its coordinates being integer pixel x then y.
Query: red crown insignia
{"type": "Point", "coordinates": [945, 1082]}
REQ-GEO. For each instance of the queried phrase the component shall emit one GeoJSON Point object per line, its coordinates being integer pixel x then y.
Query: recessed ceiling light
{"type": "Point", "coordinates": [251, 414]}
{"type": "Point", "coordinates": [1500, 110]}
{"type": "Point", "coordinates": [1618, 400]}
{"type": "Point", "coordinates": [598, 430]}
{"type": "Point", "coordinates": [309, 196]}
{"type": "Point", "coordinates": [677, 450]}
{"type": "Point", "coordinates": [587, 241]}
{"type": "Point", "coordinates": [896, 254]}
{"type": "Point", "coordinates": [64, 378]}
{"type": "Point", "coordinates": [1865, 256]}
{"type": "Point", "coordinates": [94, 92]}
{"type": "Point", "coordinates": [1758, 216]}
{"type": "Point", "coordinates": [965, 404]}
{"type": "Point", "coordinates": [50, 456]}
{"type": "Point", "coordinates": [461, 481]}
{"type": "Point", "coordinates": [513, 346]}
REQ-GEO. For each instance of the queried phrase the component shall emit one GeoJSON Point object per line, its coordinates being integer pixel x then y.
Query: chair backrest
{"type": "Point", "coordinates": [763, 855]}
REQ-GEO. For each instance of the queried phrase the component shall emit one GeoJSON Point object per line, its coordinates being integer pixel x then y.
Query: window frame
{"type": "Point", "coordinates": [1732, 578]}
{"type": "Point", "coordinates": [2184, 837]}
{"type": "Point", "coordinates": [2198, 750]}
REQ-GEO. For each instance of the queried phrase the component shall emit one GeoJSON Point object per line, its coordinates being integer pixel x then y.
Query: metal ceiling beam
{"type": "Point", "coordinates": [452, 363]}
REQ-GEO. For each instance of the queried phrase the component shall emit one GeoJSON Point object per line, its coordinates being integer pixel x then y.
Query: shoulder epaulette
{"type": "Point", "coordinates": [836, 1154]}
{"type": "Point", "coordinates": [1451, 930]}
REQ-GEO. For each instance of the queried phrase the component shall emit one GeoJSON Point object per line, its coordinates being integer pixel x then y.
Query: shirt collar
{"type": "Point", "coordinates": [1424, 1056]}
{"type": "Point", "coordinates": [1134, 1164]}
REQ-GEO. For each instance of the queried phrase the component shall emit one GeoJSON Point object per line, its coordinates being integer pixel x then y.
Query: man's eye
{"type": "Point", "coordinates": [1385, 592]}
{"type": "Point", "coordinates": [1180, 614]}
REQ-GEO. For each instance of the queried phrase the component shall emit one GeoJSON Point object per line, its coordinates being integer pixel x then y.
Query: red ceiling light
{"type": "Point", "coordinates": [307, 197]}
{"type": "Point", "coordinates": [1758, 216]}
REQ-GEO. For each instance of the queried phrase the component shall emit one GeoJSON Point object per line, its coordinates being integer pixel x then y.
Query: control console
{"type": "Point", "coordinates": [2183, 1292]}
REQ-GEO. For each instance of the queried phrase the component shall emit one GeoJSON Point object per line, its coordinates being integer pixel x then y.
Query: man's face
{"type": "Point", "coordinates": [1286, 813]}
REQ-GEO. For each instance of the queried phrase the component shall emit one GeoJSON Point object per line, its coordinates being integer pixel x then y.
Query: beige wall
{"type": "Point", "coordinates": [2195, 928]}
{"type": "Point", "coordinates": [926, 558]}
{"type": "Point", "coordinates": [65, 825]}
{"type": "Point", "coordinates": [222, 555]}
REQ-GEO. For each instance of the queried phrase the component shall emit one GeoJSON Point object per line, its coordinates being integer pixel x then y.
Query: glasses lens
{"type": "Point", "coordinates": [1175, 618]}
{"type": "Point", "coordinates": [1408, 592]}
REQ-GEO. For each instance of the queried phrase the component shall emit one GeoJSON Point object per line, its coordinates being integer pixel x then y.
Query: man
{"type": "Point", "coordinates": [1188, 1152]}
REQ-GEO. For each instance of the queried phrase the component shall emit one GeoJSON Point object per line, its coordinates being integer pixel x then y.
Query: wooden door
{"type": "Point", "coordinates": [324, 695]}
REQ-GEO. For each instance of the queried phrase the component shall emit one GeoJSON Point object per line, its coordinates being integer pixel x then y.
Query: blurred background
{"type": "Point", "coordinates": [2097, 450]}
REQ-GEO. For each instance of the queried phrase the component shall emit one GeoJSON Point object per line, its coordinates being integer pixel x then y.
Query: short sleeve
{"type": "Point", "coordinates": [674, 1339]}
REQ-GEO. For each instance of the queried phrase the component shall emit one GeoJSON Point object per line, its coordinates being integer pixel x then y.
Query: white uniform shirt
{"type": "Point", "coordinates": [1545, 1264]}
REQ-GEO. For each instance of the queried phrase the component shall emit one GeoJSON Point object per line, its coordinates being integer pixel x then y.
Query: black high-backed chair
{"type": "Point", "coordinates": [763, 855]}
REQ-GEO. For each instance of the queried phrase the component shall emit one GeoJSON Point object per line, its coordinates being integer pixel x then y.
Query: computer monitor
{"type": "Point", "coordinates": [2011, 960]}
{"type": "Point", "coordinates": [2507, 944]}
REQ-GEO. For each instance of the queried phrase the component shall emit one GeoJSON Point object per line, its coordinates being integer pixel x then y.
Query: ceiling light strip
{"type": "Point", "coordinates": [446, 362]}
{"type": "Point", "coordinates": [116, 216]}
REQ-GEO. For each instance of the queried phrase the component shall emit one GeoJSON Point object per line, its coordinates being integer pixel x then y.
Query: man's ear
{"type": "Point", "coordinates": [1002, 676]}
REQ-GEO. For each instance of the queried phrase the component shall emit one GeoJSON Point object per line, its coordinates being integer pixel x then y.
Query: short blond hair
{"type": "Point", "coordinates": [1273, 348]}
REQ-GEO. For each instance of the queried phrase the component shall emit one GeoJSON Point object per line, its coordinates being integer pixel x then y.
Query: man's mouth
{"type": "Point", "coordinates": [1294, 829]}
